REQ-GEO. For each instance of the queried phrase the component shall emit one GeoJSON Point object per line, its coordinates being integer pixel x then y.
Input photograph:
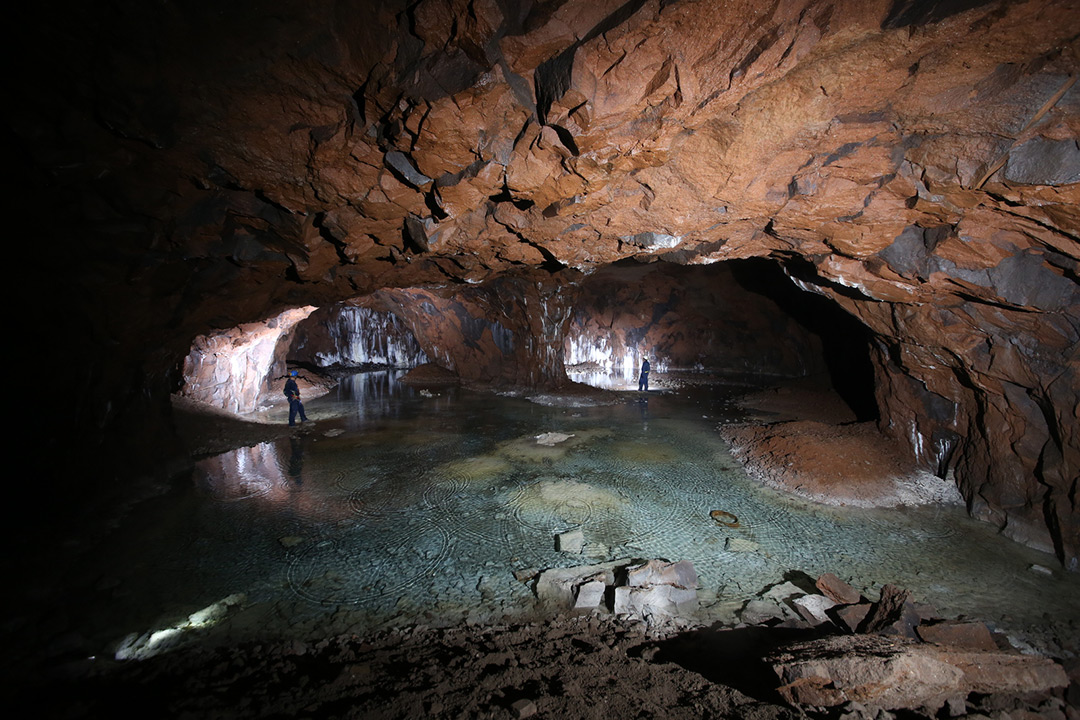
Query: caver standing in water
{"type": "Point", "coordinates": [293, 393]}
{"type": "Point", "coordinates": [643, 379]}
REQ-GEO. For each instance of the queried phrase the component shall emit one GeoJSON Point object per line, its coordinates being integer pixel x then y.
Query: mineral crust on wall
{"type": "Point", "coordinates": [347, 335]}
{"type": "Point", "coordinates": [205, 165]}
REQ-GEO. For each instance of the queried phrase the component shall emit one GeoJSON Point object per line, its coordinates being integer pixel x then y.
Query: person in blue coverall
{"type": "Point", "coordinates": [293, 393]}
{"type": "Point", "coordinates": [643, 379]}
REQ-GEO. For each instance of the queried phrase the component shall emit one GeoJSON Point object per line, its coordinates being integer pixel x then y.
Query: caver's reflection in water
{"type": "Point", "coordinates": [296, 460]}
{"type": "Point", "coordinates": [643, 405]}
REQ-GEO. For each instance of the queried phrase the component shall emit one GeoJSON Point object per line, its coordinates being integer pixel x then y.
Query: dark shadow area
{"type": "Point", "coordinates": [733, 657]}
{"type": "Point", "coordinates": [845, 340]}
{"type": "Point", "coordinates": [906, 13]}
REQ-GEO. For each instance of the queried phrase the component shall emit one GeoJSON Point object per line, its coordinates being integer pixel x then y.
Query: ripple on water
{"type": "Point", "coordinates": [373, 562]}
{"type": "Point", "coordinates": [435, 515]}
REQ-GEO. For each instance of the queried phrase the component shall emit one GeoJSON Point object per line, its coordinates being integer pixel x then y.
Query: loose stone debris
{"type": "Point", "coordinates": [896, 654]}
{"type": "Point", "coordinates": [656, 591]}
{"type": "Point", "coordinates": [621, 630]}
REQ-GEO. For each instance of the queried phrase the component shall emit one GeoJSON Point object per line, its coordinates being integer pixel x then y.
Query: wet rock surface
{"type": "Point", "coordinates": [691, 317]}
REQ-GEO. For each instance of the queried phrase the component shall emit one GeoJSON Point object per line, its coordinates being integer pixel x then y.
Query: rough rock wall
{"type": "Point", "coordinates": [200, 165]}
{"type": "Point", "coordinates": [686, 317]}
{"type": "Point", "coordinates": [235, 369]}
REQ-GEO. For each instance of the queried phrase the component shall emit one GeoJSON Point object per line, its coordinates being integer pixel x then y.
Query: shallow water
{"type": "Point", "coordinates": [422, 508]}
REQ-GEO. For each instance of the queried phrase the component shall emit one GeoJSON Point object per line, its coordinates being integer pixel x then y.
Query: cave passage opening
{"type": "Point", "coordinates": [744, 320]}
{"type": "Point", "coordinates": [741, 318]}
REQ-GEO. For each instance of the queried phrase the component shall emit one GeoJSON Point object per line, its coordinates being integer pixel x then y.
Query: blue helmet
{"type": "Point", "coordinates": [293, 373]}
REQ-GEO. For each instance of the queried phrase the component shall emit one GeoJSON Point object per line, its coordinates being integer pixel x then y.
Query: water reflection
{"type": "Point", "coordinates": [614, 378]}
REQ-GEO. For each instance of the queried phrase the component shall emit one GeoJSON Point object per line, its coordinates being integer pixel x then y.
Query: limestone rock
{"type": "Point", "coordinates": [764, 612]}
{"type": "Point", "coordinates": [653, 600]}
{"type": "Point", "coordinates": [524, 708]}
{"type": "Point", "coordinates": [557, 587]}
{"type": "Point", "coordinates": [658, 572]}
{"type": "Point", "coordinates": [813, 608]}
{"type": "Point", "coordinates": [851, 617]}
{"type": "Point", "coordinates": [893, 614]}
{"type": "Point", "coordinates": [589, 594]}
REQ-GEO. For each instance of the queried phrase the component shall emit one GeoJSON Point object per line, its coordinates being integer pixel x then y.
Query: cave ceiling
{"type": "Point", "coordinates": [226, 160]}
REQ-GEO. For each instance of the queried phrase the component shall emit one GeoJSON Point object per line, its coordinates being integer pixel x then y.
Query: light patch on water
{"type": "Point", "coordinates": [476, 468]}
{"type": "Point", "coordinates": [645, 451]}
{"type": "Point", "coordinates": [561, 492]}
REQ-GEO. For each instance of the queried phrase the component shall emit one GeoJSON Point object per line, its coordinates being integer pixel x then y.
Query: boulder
{"type": "Point", "coordinates": [558, 587]}
{"type": "Point", "coordinates": [851, 616]}
{"type": "Point", "coordinates": [654, 600]}
{"type": "Point", "coordinates": [764, 612]}
{"type": "Point", "coordinates": [589, 595]}
{"type": "Point", "coordinates": [657, 588]}
{"type": "Point", "coordinates": [658, 572]}
{"type": "Point", "coordinates": [893, 614]}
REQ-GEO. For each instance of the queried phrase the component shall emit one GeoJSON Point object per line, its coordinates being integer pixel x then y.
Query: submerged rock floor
{"type": "Point", "coordinates": [305, 561]}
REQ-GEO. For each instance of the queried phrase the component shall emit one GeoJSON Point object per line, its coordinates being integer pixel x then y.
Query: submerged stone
{"type": "Point", "coordinates": [552, 438]}
{"type": "Point", "coordinates": [572, 541]}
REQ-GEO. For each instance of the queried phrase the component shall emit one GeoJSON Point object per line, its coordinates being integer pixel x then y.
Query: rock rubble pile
{"type": "Point", "coordinates": [898, 654]}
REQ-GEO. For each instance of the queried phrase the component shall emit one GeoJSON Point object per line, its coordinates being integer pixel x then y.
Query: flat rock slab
{"type": "Point", "coordinates": [966, 635]}
{"type": "Point", "coordinates": [589, 595]}
{"type": "Point", "coordinates": [898, 673]}
{"type": "Point", "coordinates": [654, 600]}
{"type": "Point", "coordinates": [835, 588]}
{"type": "Point", "coordinates": [813, 608]}
{"type": "Point", "coordinates": [558, 586]}
{"type": "Point", "coordinates": [852, 616]}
